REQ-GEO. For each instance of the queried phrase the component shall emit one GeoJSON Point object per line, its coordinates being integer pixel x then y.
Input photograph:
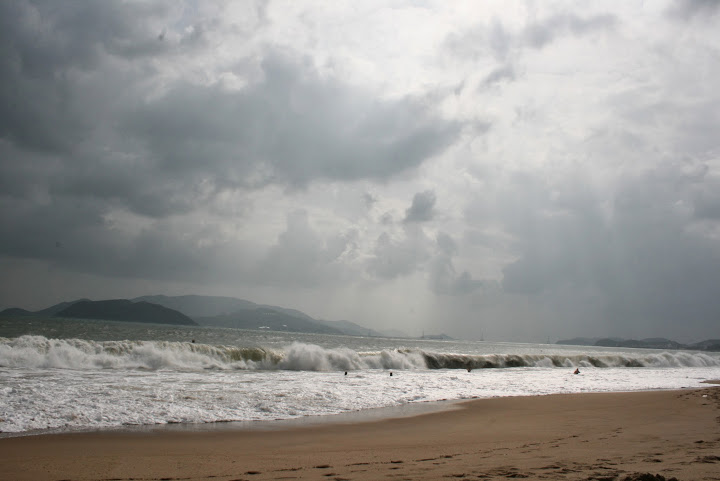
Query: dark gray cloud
{"type": "Point", "coordinates": [292, 127]}
{"type": "Point", "coordinates": [63, 94]}
{"type": "Point", "coordinates": [163, 142]}
{"type": "Point", "coordinates": [690, 9]}
{"type": "Point", "coordinates": [542, 33]}
{"type": "Point", "coordinates": [88, 126]}
{"type": "Point", "coordinates": [369, 199]}
{"type": "Point", "coordinates": [497, 41]}
{"type": "Point", "coordinates": [481, 40]}
{"type": "Point", "coordinates": [64, 85]}
{"type": "Point", "coordinates": [301, 257]}
{"type": "Point", "coordinates": [47, 52]}
{"type": "Point", "coordinates": [706, 205]}
{"type": "Point", "coordinates": [500, 74]}
{"type": "Point", "coordinates": [443, 277]}
{"type": "Point", "coordinates": [637, 254]}
{"type": "Point", "coordinates": [400, 256]}
{"type": "Point", "coordinates": [422, 208]}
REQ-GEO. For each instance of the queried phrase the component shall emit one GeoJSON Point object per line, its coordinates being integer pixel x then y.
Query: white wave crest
{"type": "Point", "coordinates": [309, 357]}
{"type": "Point", "coordinates": [487, 361]}
{"type": "Point", "coordinates": [39, 352]}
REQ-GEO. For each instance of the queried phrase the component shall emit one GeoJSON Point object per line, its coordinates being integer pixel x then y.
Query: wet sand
{"type": "Point", "coordinates": [605, 436]}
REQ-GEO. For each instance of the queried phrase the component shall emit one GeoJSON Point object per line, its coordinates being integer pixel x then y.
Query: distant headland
{"type": "Point", "coordinates": [650, 343]}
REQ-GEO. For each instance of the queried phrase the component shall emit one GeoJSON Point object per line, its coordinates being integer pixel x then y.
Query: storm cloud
{"type": "Point", "coordinates": [513, 170]}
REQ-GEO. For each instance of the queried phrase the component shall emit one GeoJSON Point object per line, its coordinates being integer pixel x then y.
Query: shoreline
{"type": "Point", "coordinates": [351, 417]}
{"type": "Point", "coordinates": [560, 436]}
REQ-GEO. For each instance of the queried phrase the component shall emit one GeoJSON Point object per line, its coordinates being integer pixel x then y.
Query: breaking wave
{"type": "Point", "coordinates": [662, 359]}
{"type": "Point", "coordinates": [40, 352]}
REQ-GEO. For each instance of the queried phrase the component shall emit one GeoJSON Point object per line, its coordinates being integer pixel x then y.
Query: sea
{"type": "Point", "coordinates": [60, 375]}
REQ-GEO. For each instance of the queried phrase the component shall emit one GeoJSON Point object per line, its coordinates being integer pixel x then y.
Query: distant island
{"type": "Point", "coordinates": [650, 343]}
{"type": "Point", "coordinates": [194, 310]}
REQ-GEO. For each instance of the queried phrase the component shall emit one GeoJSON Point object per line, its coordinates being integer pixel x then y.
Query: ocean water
{"type": "Point", "coordinates": [59, 375]}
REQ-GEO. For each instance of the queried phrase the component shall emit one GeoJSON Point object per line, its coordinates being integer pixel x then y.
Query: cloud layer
{"type": "Point", "coordinates": [512, 170]}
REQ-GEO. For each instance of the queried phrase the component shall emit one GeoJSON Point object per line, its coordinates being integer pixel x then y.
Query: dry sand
{"type": "Point", "coordinates": [605, 436]}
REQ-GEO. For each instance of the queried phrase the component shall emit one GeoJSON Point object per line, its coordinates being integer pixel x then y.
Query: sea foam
{"type": "Point", "coordinates": [40, 352]}
{"type": "Point", "coordinates": [51, 384]}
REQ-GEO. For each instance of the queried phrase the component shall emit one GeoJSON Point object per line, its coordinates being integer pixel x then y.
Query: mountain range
{"type": "Point", "coordinates": [203, 311]}
{"type": "Point", "coordinates": [194, 310]}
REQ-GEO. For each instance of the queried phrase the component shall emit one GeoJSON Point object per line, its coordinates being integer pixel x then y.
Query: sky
{"type": "Point", "coordinates": [506, 170]}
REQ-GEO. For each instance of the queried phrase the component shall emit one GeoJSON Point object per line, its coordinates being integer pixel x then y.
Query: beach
{"type": "Point", "coordinates": [593, 436]}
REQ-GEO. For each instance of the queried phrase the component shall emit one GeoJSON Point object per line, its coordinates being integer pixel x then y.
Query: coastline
{"type": "Point", "coordinates": [351, 417]}
{"type": "Point", "coordinates": [559, 436]}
